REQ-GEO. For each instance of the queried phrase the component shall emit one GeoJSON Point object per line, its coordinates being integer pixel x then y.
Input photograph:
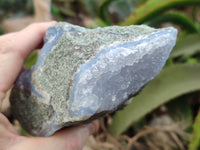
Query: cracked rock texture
{"type": "Point", "coordinates": [82, 74]}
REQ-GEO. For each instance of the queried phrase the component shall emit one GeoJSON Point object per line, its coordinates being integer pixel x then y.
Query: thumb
{"type": "Point", "coordinates": [14, 48]}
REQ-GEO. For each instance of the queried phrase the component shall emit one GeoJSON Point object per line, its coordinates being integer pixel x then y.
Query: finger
{"type": "Point", "coordinates": [2, 96]}
{"type": "Point", "coordinates": [31, 37]}
{"type": "Point", "coordinates": [14, 48]}
{"type": "Point", "coordinates": [8, 135]}
{"type": "Point", "coordinates": [26, 40]}
{"type": "Point", "coordinates": [6, 126]}
{"type": "Point", "coordinates": [68, 139]}
{"type": "Point", "coordinates": [74, 138]}
{"type": "Point", "coordinates": [10, 67]}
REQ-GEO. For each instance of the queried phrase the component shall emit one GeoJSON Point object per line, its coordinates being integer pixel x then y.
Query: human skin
{"type": "Point", "coordinates": [14, 48]}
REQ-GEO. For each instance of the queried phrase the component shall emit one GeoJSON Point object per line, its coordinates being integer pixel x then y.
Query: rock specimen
{"type": "Point", "coordinates": [84, 73]}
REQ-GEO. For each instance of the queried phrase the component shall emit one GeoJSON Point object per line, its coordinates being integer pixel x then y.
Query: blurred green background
{"type": "Point", "coordinates": [169, 104]}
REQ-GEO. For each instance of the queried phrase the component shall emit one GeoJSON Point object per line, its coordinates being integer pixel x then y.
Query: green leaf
{"type": "Point", "coordinates": [100, 22]}
{"type": "Point", "coordinates": [67, 11]}
{"type": "Point", "coordinates": [23, 132]}
{"type": "Point", "coordinates": [103, 9]}
{"type": "Point", "coordinates": [195, 13]}
{"type": "Point", "coordinates": [56, 12]}
{"type": "Point", "coordinates": [195, 139]}
{"type": "Point", "coordinates": [176, 18]}
{"type": "Point", "coordinates": [181, 111]}
{"type": "Point", "coordinates": [187, 46]}
{"type": "Point", "coordinates": [91, 6]}
{"type": "Point", "coordinates": [97, 22]}
{"type": "Point", "coordinates": [119, 9]}
{"type": "Point", "coordinates": [139, 124]}
{"type": "Point", "coordinates": [172, 82]}
{"type": "Point", "coordinates": [192, 60]}
{"type": "Point", "coordinates": [153, 8]}
{"type": "Point", "coordinates": [1, 31]}
{"type": "Point", "coordinates": [31, 60]}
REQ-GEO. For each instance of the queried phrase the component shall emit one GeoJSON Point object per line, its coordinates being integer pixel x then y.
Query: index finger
{"type": "Point", "coordinates": [14, 48]}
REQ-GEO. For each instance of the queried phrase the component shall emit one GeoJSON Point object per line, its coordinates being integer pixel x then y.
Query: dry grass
{"type": "Point", "coordinates": [159, 137]}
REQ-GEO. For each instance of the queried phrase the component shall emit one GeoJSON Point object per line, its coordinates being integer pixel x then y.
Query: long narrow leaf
{"type": "Point", "coordinates": [1, 31]}
{"type": "Point", "coordinates": [170, 83]}
{"type": "Point", "coordinates": [154, 8]}
{"type": "Point", "coordinates": [187, 46]}
{"type": "Point", "coordinates": [31, 60]}
{"type": "Point", "coordinates": [176, 18]}
{"type": "Point", "coordinates": [102, 9]}
{"type": "Point", "coordinates": [118, 8]}
{"type": "Point", "coordinates": [195, 140]}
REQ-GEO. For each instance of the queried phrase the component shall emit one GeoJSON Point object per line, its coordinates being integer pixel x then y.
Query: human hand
{"type": "Point", "coordinates": [14, 48]}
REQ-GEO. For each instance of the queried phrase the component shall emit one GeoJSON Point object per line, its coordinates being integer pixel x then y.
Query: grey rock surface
{"type": "Point", "coordinates": [82, 74]}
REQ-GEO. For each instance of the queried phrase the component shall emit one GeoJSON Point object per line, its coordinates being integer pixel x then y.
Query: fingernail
{"type": "Point", "coordinates": [93, 127]}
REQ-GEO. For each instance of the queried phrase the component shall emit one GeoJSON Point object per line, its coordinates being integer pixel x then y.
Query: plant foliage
{"type": "Point", "coordinates": [153, 8]}
{"type": "Point", "coordinates": [195, 140]}
{"type": "Point", "coordinates": [172, 82]}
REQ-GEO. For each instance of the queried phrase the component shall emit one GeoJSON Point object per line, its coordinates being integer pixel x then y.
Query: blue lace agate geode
{"type": "Point", "coordinates": [84, 73]}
